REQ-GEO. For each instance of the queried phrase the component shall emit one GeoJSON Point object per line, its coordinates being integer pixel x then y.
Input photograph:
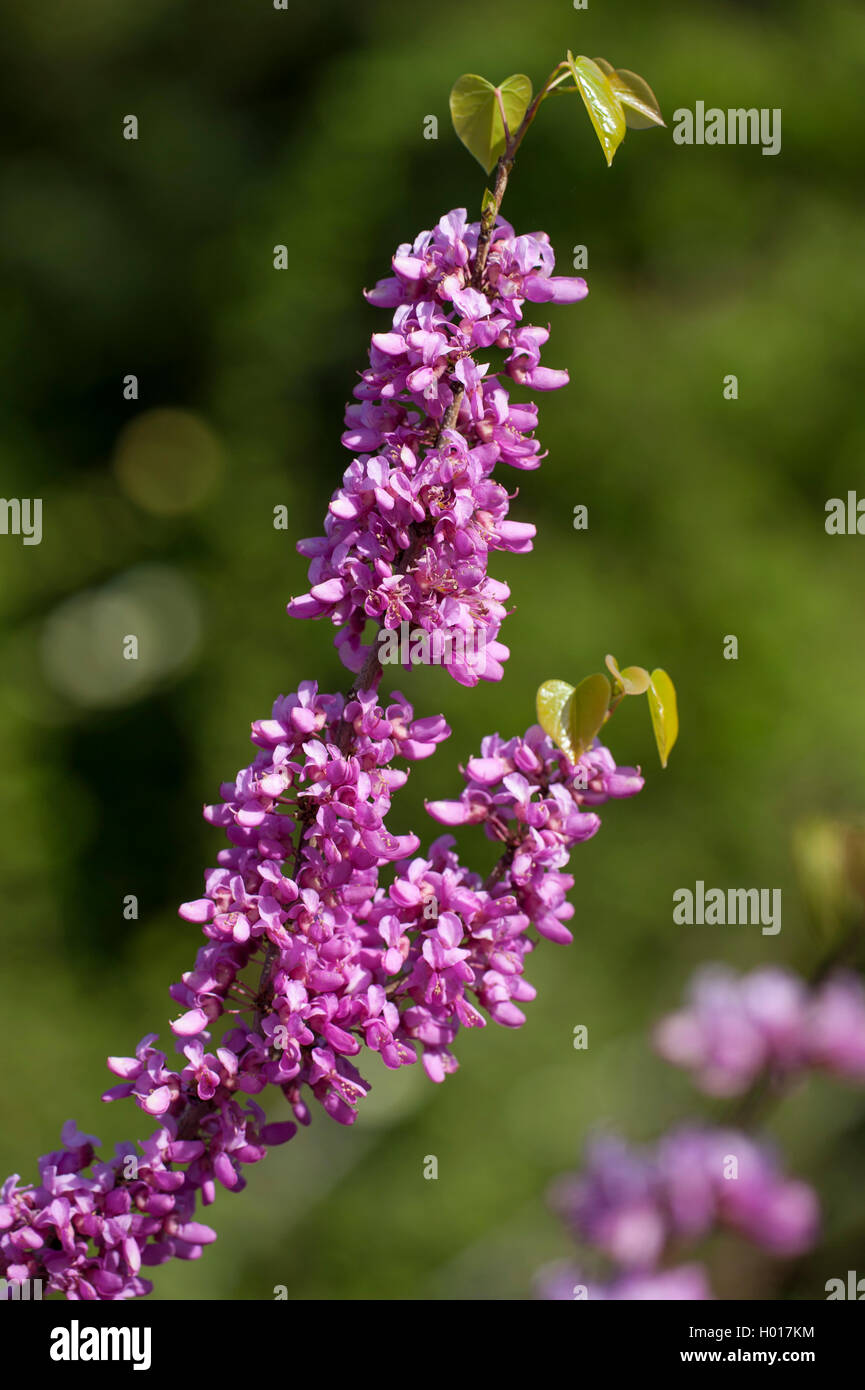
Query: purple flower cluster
{"type": "Point", "coordinates": [303, 800]}
{"type": "Point", "coordinates": [345, 961]}
{"type": "Point", "coordinates": [528, 795]}
{"type": "Point", "coordinates": [529, 798]}
{"type": "Point", "coordinates": [632, 1206]}
{"type": "Point", "coordinates": [87, 1236]}
{"type": "Point", "coordinates": [408, 535]}
{"type": "Point", "coordinates": [325, 933]}
{"type": "Point", "coordinates": [734, 1029]}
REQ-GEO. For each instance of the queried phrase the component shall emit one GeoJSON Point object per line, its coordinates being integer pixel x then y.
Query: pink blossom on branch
{"type": "Point", "coordinates": [348, 964]}
{"type": "Point", "coordinates": [409, 534]}
{"type": "Point", "coordinates": [327, 935]}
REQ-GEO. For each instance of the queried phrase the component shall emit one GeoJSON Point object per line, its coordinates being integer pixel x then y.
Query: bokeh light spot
{"type": "Point", "coordinates": [167, 461]}
{"type": "Point", "coordinates": [84, 639]}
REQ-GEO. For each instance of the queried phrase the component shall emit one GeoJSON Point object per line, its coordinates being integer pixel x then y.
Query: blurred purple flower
{"type": "Point", "coordinates": [733, 1028]}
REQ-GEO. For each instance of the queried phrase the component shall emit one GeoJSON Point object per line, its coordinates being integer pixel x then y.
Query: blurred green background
{"type": "Point", "coordinates": [706, 518]}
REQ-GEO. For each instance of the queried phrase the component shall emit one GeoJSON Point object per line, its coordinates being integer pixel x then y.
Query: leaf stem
{"type": "Point", "coordinates": [491, 212]}
{"type": "Point", "coordinates": [493, 204]}
{"type": "Point", "coordinates": [560, 73]}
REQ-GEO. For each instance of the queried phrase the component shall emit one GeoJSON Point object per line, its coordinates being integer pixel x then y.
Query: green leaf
{"type": "Point", "coordinates": [665, 715]}
{"type": "Point", "coordinates": [552, 701]}
{"type": "Point", "coordinates": [634, 680]}
{"type": "Point", "coordinates": [588, 709]}
{"type": "Point", "coordinates": [641, 107]}
{"type": "Point", "coordinates": [477, 117]}
{"type": "Point", "coordinates": [604, 108]}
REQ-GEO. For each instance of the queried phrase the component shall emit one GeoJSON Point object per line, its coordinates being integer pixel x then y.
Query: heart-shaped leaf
{"type": "Point", "coordinates": [639, 102]}
{"type": "Point", "coordinates": [552, 706]}
{"type": "Point", "coordinates": [634, 680]}
{"type": "Point", "coordinates": [588, 709]}
{"type": "Point", "coordinates": [477, 115]}
{"type": "Point", "coordinates": [665, 715]}
{"type": "Point", "coordinates": [604, 108]}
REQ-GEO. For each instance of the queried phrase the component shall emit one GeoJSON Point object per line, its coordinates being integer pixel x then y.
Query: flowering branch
{"type": "Point", "coordinates": [359, 942]}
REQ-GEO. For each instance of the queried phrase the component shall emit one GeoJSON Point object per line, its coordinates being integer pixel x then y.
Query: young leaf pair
{"type": "Point", "coordinates": [573, 715]}
{"type": "Point", "coordinates": [487, 118]}
{"type": "Point", "coordinates": [615, 101]}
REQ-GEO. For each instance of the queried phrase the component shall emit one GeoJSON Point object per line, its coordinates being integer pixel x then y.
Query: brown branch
{"type": "Point", "coordinates": [488, 220]}
{"type": "Point", "coordinates": [501, 868]}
